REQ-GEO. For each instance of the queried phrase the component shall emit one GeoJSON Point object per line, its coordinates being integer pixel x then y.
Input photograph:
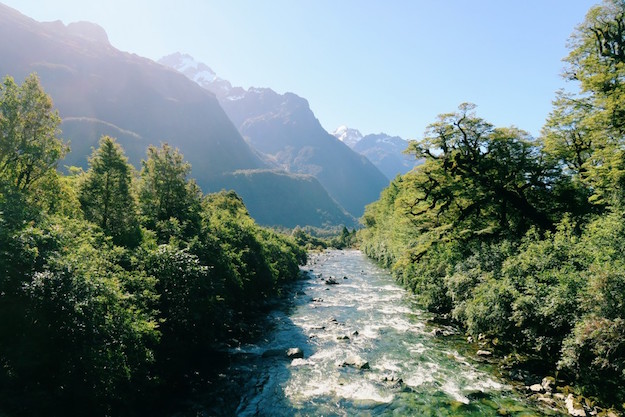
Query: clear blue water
{"type": "Point", "coordinates": [365, 318]}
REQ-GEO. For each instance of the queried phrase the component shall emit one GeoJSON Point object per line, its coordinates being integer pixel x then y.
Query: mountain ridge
{"type": "Point", "coordinates": [284, 128]}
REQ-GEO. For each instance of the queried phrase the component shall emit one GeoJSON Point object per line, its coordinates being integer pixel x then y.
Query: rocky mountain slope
{"type": "Point", "coordinates": [384, 151]}
{"type": "Point", "coordinates": [285, 130]}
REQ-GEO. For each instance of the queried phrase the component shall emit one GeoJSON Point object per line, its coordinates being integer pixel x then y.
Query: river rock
{"type": "Point", "coordinates": [574, 407]}
{"type": "Point", "coordinates": [548, 401]}
{"type": "Point", "coordinates": [393, 381]}
{"type": "Point", "coordinates": [344, 337]}
{"type": "Point", "coordinates": [548, 383]}
{"type": "Point", "coordinates": [355, 362]}
{"type": "Point", "coordinates": [477, 395]}
{"type": "Point", "coordinates": [331, 281]}
{"type": "Point", "coordinates": [436, 332]}
{"type": "Point", "coordinates": [484, 353]}
{"type": "Point", "coordinates": [295, 353]}
{"type": "Point", "coordinates": [536, 388]}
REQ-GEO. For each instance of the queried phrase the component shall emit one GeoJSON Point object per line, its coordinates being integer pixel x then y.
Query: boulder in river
{"type": "Point", "coordinates": [331, 281]}
{"type": "Point", "coordinates": [355, 362]}
{"type": "Point", "coordinates": [295, 353]}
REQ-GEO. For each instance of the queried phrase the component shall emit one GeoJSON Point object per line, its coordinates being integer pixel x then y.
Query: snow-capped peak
{"type": "Point", "coordinates": [193, 69]}
{"type": "Point", "coordinates": [348, 136]}
{"type": "Point", "coordinates": [201, 73]}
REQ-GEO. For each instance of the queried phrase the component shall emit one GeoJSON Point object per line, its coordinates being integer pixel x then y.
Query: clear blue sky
{"type": "Point", "coordinates": [378, 66]}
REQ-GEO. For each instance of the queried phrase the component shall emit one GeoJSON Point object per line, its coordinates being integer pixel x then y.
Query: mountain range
{"type": "Point", "coordinates": [267, 146]}
{"type": "Point", "coordinates": [285, 130]}
{"type": "Point", "coordinates": [99, 90]}
{"type": "Point", "coordinates": [384, 151]}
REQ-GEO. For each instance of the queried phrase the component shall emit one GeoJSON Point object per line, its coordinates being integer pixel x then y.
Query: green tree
{"type": "Point", "coordinates": [29, 144]}
{"type": "Point", "coordinates": [106, 194]}
{"type": "Point", "coordinates": [477, 180]}
{"type": "Point", "coordinates": [586, 129]}
{"type": "Point", "coordinates": [169, 202]}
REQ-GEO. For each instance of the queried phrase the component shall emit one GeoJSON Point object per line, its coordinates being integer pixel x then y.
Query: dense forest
{"type": "Point", "coordinates": [520, 239]}
{"type": "Point", "coordinates": [117, 286]}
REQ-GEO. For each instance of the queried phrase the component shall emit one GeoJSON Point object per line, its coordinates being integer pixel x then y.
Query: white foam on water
{"type": "Point", "coordinates": [309, 388]}
{"type": "Point", "coordinates": [327, 354]}
{"type": "Point", "coordinates": [401, 325]}
{"type": "Point", "coordinates": [416, 349]}
{"type": "Point", "coordinates": [386, 364]}
{"type": "Point", "coordinates": [478, 381]}
{"type": "Point", "coordinates": [300, 362]}
{"type": "Point", "coordinates": [418, 379]}
{"type": "Point", "coordinates": [370, 332]}
{"type": "Point", "coordinates": [363, 391]}
{"type": "Point", "coordinates": [360, 391]}
{"type": "Point", "coordinates": [454, 391]}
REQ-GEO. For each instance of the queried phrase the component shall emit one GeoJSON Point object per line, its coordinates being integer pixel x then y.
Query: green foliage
{"type": "Point", "coordinates": [594, 353]}
{"type": "Point", "coordinates": [169, 203]}
{"type": "Point", "coordinates": [478, 179]}
{"type": "Point", "coordinates": [106, 194]}
{"type": "Point", "coordinates": [308, 240]}
{"type": "Point", "coordinates": [248, 256]}
{"type": "Point", "coordinates": [72, 331]}
{"type": "Point", "coordinates": [29, 145]}
{"type": "Point", "coordinates": [345, 239]}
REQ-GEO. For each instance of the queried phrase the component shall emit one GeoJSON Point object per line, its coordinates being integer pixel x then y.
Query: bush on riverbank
{"type": "Point", "coordinates": [520, 239]}
{"type": "Point", "coordinates": [115, 288]}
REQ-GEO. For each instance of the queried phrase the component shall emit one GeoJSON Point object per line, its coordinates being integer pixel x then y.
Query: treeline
{"type": "Point", "coordinates": [316, 239]}
{"type": "Point", "coordinates": [116, 286]}
{"type": "Point", "coordinates": [522, 240]}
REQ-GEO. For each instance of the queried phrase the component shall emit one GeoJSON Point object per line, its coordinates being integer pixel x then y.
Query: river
{"type": "Point", "coordinates": [368, 350]}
